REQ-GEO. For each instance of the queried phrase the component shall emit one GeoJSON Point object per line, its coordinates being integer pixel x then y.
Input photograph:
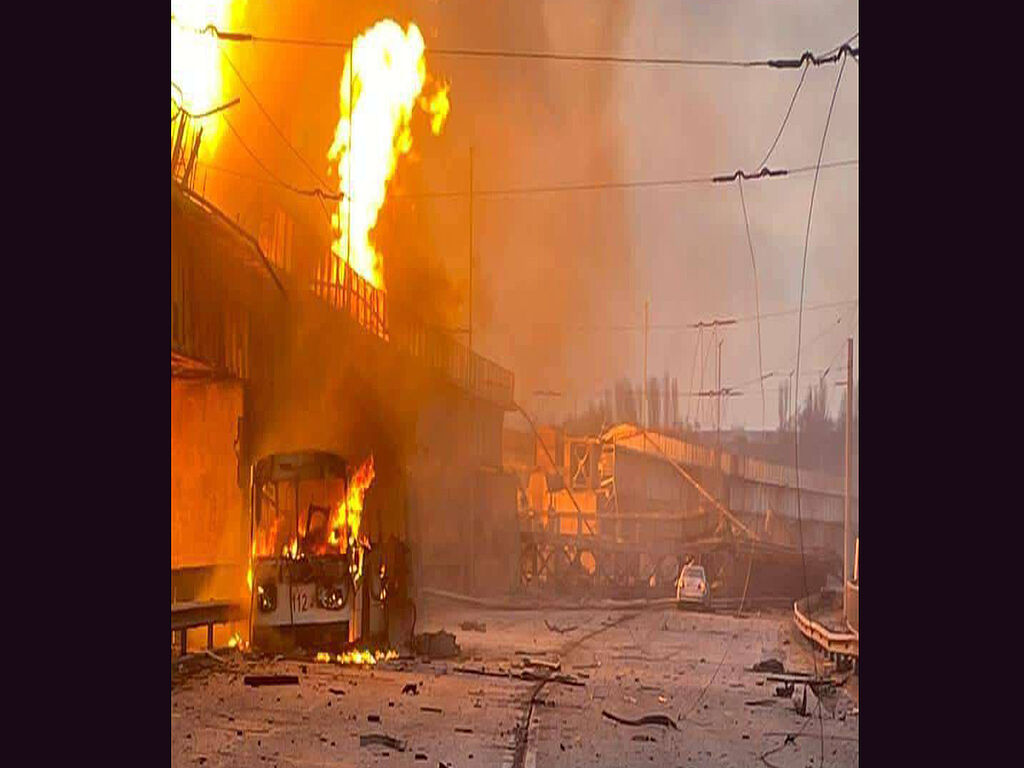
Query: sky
{"type": "Point", "coordinates": [560, 278]}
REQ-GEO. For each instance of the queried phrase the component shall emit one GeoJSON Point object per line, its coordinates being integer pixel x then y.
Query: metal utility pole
{"type": "Point", "coordinates": [643, 415]}
{"type": "Point", "coordinates": [647, 306]}
{"type": "Point", "coordinates": [718, 389]}
{"type": "Point", "coordinates": [849, 466]}
{"type": "Point", "coordinates": [470, 249]}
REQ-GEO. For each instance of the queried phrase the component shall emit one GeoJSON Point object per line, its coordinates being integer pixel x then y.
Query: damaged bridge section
{"type": "Point", "coordinates": [622, 512]}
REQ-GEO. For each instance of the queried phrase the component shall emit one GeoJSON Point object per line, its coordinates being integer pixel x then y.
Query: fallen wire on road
{"type": "Point", "coordinates": [382, 740]}
{"type": "Point", "coordinates": [522, 730]}
{"type": "Point", "coordinates": [664, 720]}
{"type": "Point", "coordinates": [790, 739]}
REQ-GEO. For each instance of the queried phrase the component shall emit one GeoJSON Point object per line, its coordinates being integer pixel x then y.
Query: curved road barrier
{"type": "Point", "coordinates": [831, 641]}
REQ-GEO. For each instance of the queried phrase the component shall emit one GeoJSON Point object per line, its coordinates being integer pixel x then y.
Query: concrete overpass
{"type": "Point", "coordinates": [275, 350]}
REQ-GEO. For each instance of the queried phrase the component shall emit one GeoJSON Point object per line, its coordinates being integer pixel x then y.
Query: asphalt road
{"type": "Point", "coordinates": [688, 666]}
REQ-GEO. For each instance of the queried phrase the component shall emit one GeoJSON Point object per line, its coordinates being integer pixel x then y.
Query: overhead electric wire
{"type": "Point", "coordinates": [273, 124]}
{"type": "Point", "coordinates": [477, 193]}
{"type": "Point", "coordinates": [796, 428]}
{"type": "Point", "coordinates": [828, 57]}
{"type": "Point", "coordinates": [281, 182]}
{"type": "Point", "coordinates": [697, 326]}
{"type": "Point", "coordinates": [757, 299]}
{"type": "Point", "coordinates": [575, 187]}
{"type": "Point", "coordinates": [782, 127]}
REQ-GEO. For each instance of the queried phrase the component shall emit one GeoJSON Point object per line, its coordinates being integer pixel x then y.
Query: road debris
{"type": "Point", "coordinates": [438, 710]}
{"type": "Point", "coordinates": [769, 665]}
{"type": "Point", "coordinates": [336, 691]}
{"type": "Point", "coordinates": [644, 737]}
{"type": "Point", "coordinates": [558, 629]}
{"type": "Point", "coordinates": [526, 674]}
{"type": "Point", "coordinates": [804, 701]}
{"type": "Point", "coordinates": [436, 645]}
{"type": "Point", "coordinates": [373, 718]}
{"type": "Point", "coordinates": [554, 666]}
{"type": "Point", "coordinates": [658, 719]}
{"type": "Point", "coordinates": [257, 681]}
{"type": "Point", "coordinates": [411, 688]}
{"type": "Point", "coordinates": [382, 740]}
{"type": "Point", "coordinates": [473, 626]}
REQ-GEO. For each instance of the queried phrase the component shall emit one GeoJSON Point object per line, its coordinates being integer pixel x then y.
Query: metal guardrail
{"type": "Point", "coordinates": [347, 291]}
{"type": "Point", "coordinates": [185, 616]}
{"type": "Point", "coordinates": [841, 643]}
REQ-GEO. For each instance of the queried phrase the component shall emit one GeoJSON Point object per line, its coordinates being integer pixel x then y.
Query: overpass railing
{"type": "Point", "coordinates": [347, 291]}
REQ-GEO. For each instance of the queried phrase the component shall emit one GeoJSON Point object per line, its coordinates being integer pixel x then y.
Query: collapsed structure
{"type": "Point", "coordinates": [625, 509]}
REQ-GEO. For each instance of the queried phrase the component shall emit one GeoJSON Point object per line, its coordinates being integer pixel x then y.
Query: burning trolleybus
{"type": "Point", "coordinates": [307, 556]}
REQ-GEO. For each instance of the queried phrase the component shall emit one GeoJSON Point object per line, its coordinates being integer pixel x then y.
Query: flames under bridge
{"type": "Point", "coordinates": [622, 512]}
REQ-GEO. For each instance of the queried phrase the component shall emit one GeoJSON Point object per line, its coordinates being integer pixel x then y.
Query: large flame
{"type": "Point", "coordinates": [348, 514]}
{"type": "Point", "coordinates": [196, 61]}
{"type": "Point", "coordinates": [380, 94]}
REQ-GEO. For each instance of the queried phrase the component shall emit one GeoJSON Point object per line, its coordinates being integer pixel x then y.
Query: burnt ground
{"type": "Point", "coordinates": [689, 666]}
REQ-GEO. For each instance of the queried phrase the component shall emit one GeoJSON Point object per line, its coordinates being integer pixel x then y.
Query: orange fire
{"type": "Point", "coordinates": [379, 94]}
{"type": "Point", "coordinates": [343, 533]}
{"type": "Point", "coordinates": [196, 61]}
{"type": "Point", "coordinates": [349, 513]}
{"type": "Point", "coordinates": [262, 545]}
{"type": "Point", "coordinates": [362, 658]}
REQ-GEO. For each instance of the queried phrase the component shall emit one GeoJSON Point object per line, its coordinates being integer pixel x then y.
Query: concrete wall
{"type": "Point", "coordinates": [209, 521]}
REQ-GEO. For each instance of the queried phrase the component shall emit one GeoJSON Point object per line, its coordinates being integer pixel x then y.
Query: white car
{"type": "Point", "coordinates": [692, 587]}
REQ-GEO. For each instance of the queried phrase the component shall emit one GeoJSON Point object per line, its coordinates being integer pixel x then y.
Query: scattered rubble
{"type": "Point", "coordinates": [411, 688]}
{"type": "Point", "coordinates": [473, 626]}
{"type": "Point", "coordinates": [784, 691]}
{"type": "Point", "coordinates": [769, 665]}
{"type": "Point", "coordinates": [805, 701]}
{"type": "Point", "coordinates": [436, 645]}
